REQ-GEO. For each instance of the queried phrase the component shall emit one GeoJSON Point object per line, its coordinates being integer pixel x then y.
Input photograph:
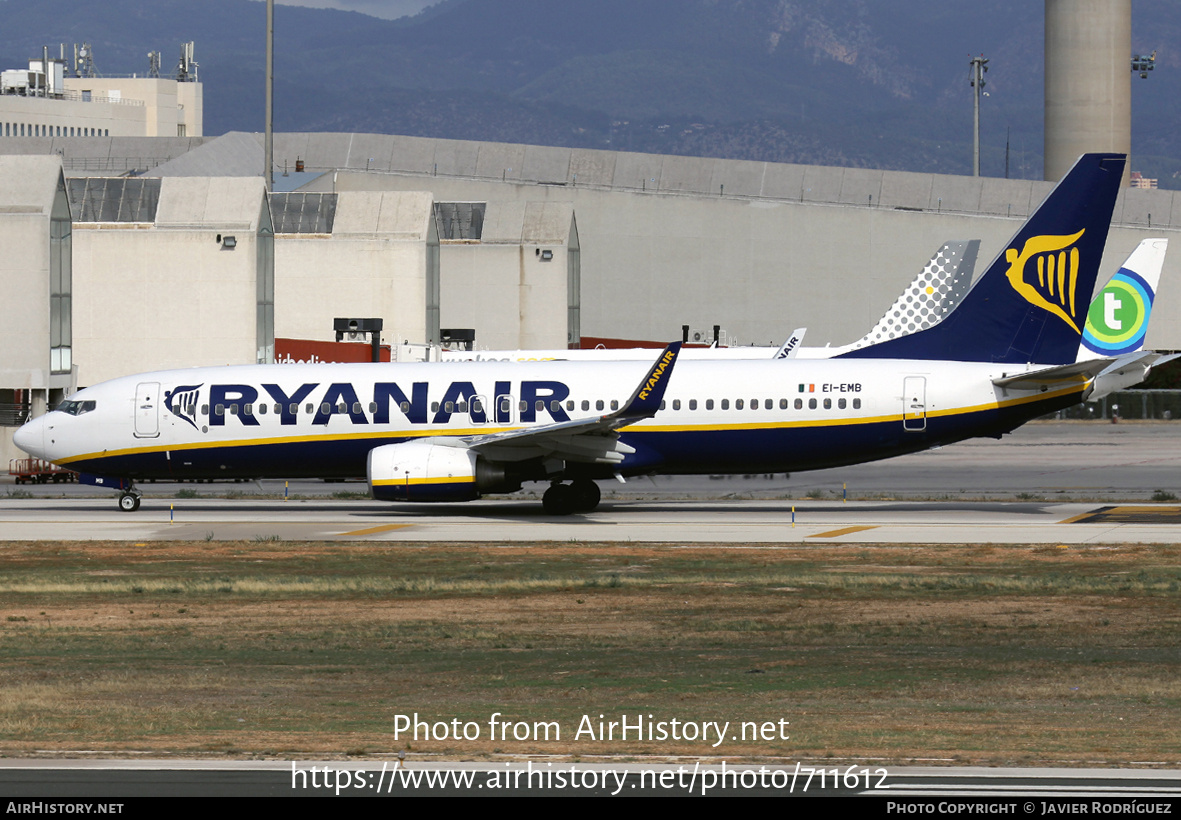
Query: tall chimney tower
{"type": "Point", "coordinates": [1088, 81]}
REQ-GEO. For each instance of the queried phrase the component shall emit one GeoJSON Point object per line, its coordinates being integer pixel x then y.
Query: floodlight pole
{"type": "Point", "coordinates": [979, 67]}
{"type": "Point", "coordinates": [269, 139]}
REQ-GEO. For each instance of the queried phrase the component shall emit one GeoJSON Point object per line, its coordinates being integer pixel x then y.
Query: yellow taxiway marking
{"type": "Point", "coordinates": [375, 530]}
{"type": "Point", "coordinates": [1128, 515]}
{"type": "Point", "coordinates": [840, 532]}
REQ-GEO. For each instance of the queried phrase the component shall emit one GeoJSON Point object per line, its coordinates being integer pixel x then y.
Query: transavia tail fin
{"type": "Point", "coordinates": [1030, 305]}
{"type": "Point", "coordinates": [1117, 320]}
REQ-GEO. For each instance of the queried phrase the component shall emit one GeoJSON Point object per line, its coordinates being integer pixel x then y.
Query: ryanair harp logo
{"type": "Point", "coordinates": [1045, 274]}
{"type": "Point", "coordinates": [182, 402]}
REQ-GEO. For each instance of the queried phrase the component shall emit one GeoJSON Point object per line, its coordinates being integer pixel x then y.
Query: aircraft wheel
{"type": "Point", "coordinates": [129, 502]}
{"type": "Point", "coordinates": [558, 499]}
{"type": "Point", "coordinates": [586, 495]}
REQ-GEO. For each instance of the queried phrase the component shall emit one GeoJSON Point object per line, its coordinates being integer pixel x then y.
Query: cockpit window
{"type": "Point", "coordinates": [75, 408]}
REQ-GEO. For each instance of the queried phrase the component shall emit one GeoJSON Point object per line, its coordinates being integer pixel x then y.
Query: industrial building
{"type": "Point", "coordinates": [49, 99]}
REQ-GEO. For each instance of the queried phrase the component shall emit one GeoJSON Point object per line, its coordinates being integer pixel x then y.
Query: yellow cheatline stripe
{"type": "Point", "coordinates": [459, 479]}
{"type": "Point", "coordinates": [836, 533]}
{"type": "Point", "coordinates": [404, 434]}
{"type": "Point", "coordinates": [375, 530]}
{"type": "Point", "coordinates": [251, 442]}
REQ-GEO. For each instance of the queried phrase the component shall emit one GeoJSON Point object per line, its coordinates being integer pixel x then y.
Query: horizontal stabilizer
{"type": "Point", "coordinates": [1053, 378]}
{"type": "Point", "coordinates": [1105, 375]}
{"type": "Point", "coordinates": [1127, 371]}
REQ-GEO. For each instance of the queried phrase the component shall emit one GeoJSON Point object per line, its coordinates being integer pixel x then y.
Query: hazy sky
{"type": "Point", "coordinates": [389, 9]}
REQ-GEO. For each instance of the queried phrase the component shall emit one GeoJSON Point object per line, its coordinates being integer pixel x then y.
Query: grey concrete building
{"type": "Point", "coordinates": [36, 292]}
{"type": "Point", "coordinates": [356, 254]}
{"type": "Point", "coordinates": [171, 273]}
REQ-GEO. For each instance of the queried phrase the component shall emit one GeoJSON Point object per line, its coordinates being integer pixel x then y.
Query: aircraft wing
{"type": "Point", "coordinates": [593, 439]}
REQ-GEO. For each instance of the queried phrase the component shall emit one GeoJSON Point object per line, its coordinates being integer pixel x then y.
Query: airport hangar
{"type": "Point", "coordinates": [129, 254]}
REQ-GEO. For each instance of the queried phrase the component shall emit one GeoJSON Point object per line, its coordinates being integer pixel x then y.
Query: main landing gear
{"type": "Point", "coordinates": [581, 496]}
{"type": "Point", "coordinates": [129, 500]}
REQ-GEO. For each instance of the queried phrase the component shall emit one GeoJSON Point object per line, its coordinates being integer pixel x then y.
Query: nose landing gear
{"type": "Point", "coordinates": [129, 500]}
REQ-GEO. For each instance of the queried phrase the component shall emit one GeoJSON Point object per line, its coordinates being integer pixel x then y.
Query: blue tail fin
{"type": "Point", "coordinates": [1031, 303]}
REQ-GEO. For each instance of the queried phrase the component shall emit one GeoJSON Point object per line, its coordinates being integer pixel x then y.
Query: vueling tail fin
{"type": "Point", "coordinates": [1031, 303]}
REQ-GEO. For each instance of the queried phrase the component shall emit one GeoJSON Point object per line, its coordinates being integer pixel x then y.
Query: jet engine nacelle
{"type": "Point", "coordinates": [423, 470]}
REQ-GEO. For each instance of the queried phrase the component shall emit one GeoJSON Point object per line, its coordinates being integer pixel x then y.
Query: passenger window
{"type": "Point", "coordinates": [782, 404]}
{"type": "Point", "coordinates": [725, 404]}
{"type": "Point", "coordinates": [811, 404]}
{"type": "Point", "coordinates": [828, 404]}
{"type": "Point", "coordinates": [840, 404]}
{"type": "Point", "coordinates": [676, 404]}
{"type": "Point", "coordinates": [555, 406]}
{"type": "Point", "coordinates": [768, 404]}
{"type": "Point", "coordinates": [461, 406]}
{"type": "Point", "coordinates": [449, 407]}
{"type": "Point", "coordinates": [692, 404]}
{"type": "Point", "coordinates": [434, 407]}
{"type": "Point", "coordinates": [585, 404]}
{"type": "Point", "coordinates": [662, 405]}
{"type": "Point", "coordinates": [570, 405]}
{"type": "Point", "coordinates": [856, 404]}
{"type": "Point", "coordinates": [372, 407]}
{"type": "Point", "coordinates": [404, 407]}
{"type": "Point", "coordinates": [709, 404]}
{"type": "Point", "coordinates": [293, 409]}
{"type": "Point", "coordinates": [325, 407]}
{"type": "Point", "coordinates": [262, 409]}
{"type": "Point", "coordinates": [248, 409]}
{"type": "Point", "coordinates": [599, 404]}
{"type": "Point", "coordinates": [220, 410]}
{"type": "Point", "coordinates": [614, 404]}
{"type": "Point", "coordinates": [799, 405]}
{"type": "Point", "coordinates": [309, 408]}
{"type": "Point", "coordinates": [539, 405]}
{"type": "Point", "coordinates": [737, 404]}
{"type": "Point", "coordinates": [204, 409]}
{"type": "Point", "coordinates": [342, 408]}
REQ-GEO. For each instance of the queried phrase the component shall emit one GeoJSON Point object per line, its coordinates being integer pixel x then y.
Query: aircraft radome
{"type": "Point", "coordinates": [455, 431]}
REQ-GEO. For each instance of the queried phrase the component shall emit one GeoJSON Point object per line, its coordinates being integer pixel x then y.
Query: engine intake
{"type": "Point", "coordinates": [423, 470]}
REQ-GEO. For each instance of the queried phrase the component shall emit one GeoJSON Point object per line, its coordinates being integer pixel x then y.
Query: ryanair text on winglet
{"type": "Point", "coordinates": [657, 373]}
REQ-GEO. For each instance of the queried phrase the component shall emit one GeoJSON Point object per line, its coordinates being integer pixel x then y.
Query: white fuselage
{"type": "Point", "coordinates": [322, 420]}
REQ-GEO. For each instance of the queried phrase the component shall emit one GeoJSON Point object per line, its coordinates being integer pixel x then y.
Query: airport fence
{"type": "Point", "coordinates": [1159, 405]}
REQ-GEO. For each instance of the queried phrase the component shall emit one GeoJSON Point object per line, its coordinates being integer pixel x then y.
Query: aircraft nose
{"type": "Point", "coordinates": [30, 437]}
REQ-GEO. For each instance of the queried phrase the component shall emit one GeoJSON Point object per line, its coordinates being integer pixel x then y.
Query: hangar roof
{"type": "Point", "coordinates": [28, 184]}
{"type": "Point", "coordinates": [241, 153]}
{"type": "Point", "coordinates": [384, 214]}
{"type": "Point", "coordinates": [215, 202]}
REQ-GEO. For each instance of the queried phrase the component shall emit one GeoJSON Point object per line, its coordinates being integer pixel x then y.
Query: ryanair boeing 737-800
{"type": "Point", "coordinates": [455, 431]}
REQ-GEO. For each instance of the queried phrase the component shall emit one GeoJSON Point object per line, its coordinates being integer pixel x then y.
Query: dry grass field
{"type": "Point", "coordinates": [988, 655]}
